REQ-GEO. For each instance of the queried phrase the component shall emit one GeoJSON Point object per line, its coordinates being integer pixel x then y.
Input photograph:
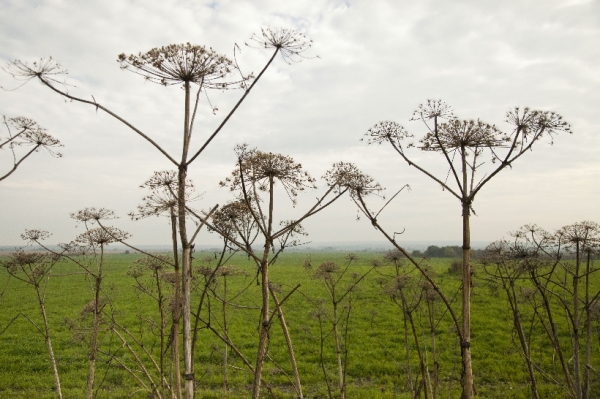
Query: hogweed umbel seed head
{"type": "Point", "coordinates": [181, 63]}
{"type": "Point", "coordinates": [290, 43]}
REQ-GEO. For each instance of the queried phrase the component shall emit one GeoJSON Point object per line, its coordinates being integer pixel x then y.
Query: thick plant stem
{"type": "Point", "coordinates": [225, 332]}
{"type": "Point", "coordinates": [187, 337]}
{"type": "Point", "coordinates": [288, 341]}
{"type": "Point", "coordinates": [467, 380]}
{"type": "Point", "coordinates": [408, 314]}
{"type": "Point", "coordinates": [512, 299]}
{"type": "Point", "coordinates": [588, 331]}
{"type": "Point", "coordinates": [552, 332]}
{"type": "Point", "coordinates": [321, 359]}
{"type": "Point", "coordinates": [96, 326]}
{"type": "Point", "coordinates": [265, 323]}
{"type": "Point", "coordinates": [49, 343]}
{"type": "Point", "coordinates": [338, 349]}
{"type": "Point", "coordinates": [434, 354]}
{"type": "Point", "coordinates": [186, 256]}
{"type": "Point", "coordinates": [576, 323]}
{"type": "Point", "coordinates": [407, 350]}
{"type": "Point", "coordinates": [176, 312]}
{"type": "Point", "coordinates": [160, 300]}
{"type": "Point", "coordinates": [468, 391]}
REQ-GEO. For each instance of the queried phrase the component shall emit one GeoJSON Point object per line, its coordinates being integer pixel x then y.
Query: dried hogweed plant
{"type": "Point", "coordinates": [87, 251]}
{"type": "Point", "coordinates": [252, 215]}
{"type": "Point", "coordinates": [35, 270]}
{"type": "Point", "coordinates": [547, 276]}
{"type": "Point", "coordinates": [508, 264]}
{"type": "Point", "coordinates": [290, 43]}
{"type": "Point", "coordinates": [162, 200]}
{"type": "Point", "coordinates": [463, 145]}
{"type": "Point", "coordinates": [154, 281]}
{"type": "Point", "coordinates": [179, 63]}
{"type": "Point", "coordinates": [340, 286]}
{"type": "Point", "coordinates": [261, 171]}
{"type": "Point", "coordinates": [25, 132]}
{"type": "Point", "coordinates": [187, 65]}
{"type": "Point", "coordinates": [44, 68]}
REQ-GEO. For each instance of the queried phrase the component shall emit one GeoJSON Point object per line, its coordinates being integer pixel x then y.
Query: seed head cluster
{"type": "Point", "coordinates": [180, 63]}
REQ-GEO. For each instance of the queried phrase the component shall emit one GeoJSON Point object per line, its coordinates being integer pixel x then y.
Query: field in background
{"type": "Point", "coordinates": [376, 359]}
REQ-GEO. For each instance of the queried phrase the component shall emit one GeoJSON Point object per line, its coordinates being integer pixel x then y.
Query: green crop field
{"type": "Point", "coordinates": [377, 366]}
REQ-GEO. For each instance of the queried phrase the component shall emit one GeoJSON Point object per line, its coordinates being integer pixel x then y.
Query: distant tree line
{"type": "Point", "coordinates": [450, 251]}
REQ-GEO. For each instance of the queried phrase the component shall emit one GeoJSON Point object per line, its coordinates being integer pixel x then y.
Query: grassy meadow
{"type": "Point", "coordinates": [376, 353]}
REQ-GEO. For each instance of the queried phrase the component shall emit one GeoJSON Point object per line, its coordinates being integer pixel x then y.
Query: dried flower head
{"type": "Point", "coordinates": [156, 263]}
{"type": "Point", "coordinates": [516, 257]}
{"type": "Point", "coordinates": [170, 277]}
{"type": "Point", "coordinates": [26, 132]}
{"type": "Point", "coordinates": [387, 131]}
{"type": "Point", "coordinates": [429, 292]}
{"type": "Point", "coordinates": [351, 257]}
{"type": "Point", "coordinates": [261, 169]}
{"type": "Point", "coordinates": [93, 215]}
{"type": "Point", "coordinates": [294, 234]}
{"type": "Point", "coordinates": [46, 69]}
{"type": "Point", "coordinates": [394, 256]}
{"type": "Point", "coordinates": [204, 270]}
{"type": "Point", "coordinates": [163, 186]}
{"type": "Point", "coordinates": [346, 176]}
{"type": "Point", "coordinates": [229, 270]}
{"type": "Point", "coordinates": [432, 109]}
{"type": "Point", "coordinates": [534, 124]}
{"type": "Point", "coordinates": [290, 43]}
{"type": "Point", "coordinates": [233, 218]}
{"type": "Point", "coordinates": [584, 236]}
{"type": "Point", "coordinates": [463, 134]}
{"type": "Point", "coordinates": [102, 236]}
{"type": "Point", "coordinates": [135, 271]}
{"type": "Point", "coordinates": [326, 271]}
{"type": "Point", "coordinates": [33, 264]}
{"type": "Point", "coordinates": [399, 283]}
{"type": "Point", "coordinates": [35, 235]}
{"type": "Point", "coordinates": [181, 63]}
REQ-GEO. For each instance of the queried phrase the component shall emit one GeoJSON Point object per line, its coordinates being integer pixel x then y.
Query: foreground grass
{"type": "Point", "coordinates": [376, 364]}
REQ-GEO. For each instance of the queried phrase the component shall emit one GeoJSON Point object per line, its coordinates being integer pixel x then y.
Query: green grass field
{"type": "Point", "coordinates": [376, 364]}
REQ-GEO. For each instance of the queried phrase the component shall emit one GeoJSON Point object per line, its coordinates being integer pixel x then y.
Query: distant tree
{"type": "Point", "coordinates": [417, 253]}
{"type": "Point", "coordinates": [25, 132]}
{"type": "Point", "coordinates": [449, 252]}
{"type": "Point", "coordinates": [186, 66]}
{"type": "Point", "coordinates": [465, 146]}
{"type": "Point", "coordinates": [433, 251]}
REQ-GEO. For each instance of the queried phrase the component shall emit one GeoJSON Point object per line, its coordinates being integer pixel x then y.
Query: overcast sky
{"type": "Point", "coordinates": [377, 60]}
